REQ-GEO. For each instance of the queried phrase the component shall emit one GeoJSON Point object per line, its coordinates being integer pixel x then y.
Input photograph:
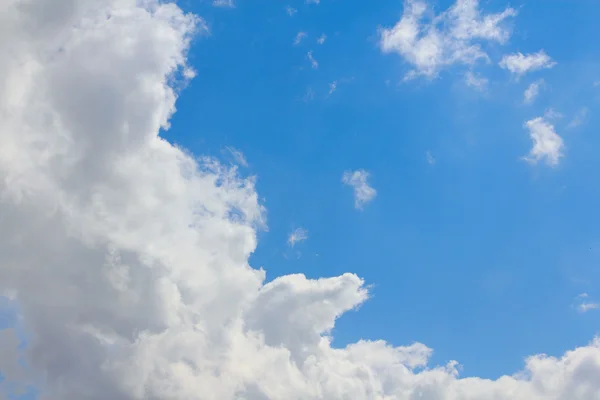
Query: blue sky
{"type": "Point", "coordinates": [480, 250]}
{"type": "Point", "coordinates": [427, 165]}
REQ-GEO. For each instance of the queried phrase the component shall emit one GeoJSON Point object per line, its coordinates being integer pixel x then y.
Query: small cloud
{"type": "Point", "coordinates": [309, 95]}
{"type": "Point", "coordinates": [578, 119]}
{"type": "Point", "coordinates": [363, 193]}
{"type": "Point", "coordinates": [597, 83]}
{"type": "Point", "coordinates": [532, 91]}
{"type": "Point", "coordinates": [312, 1]}
{"type": "Point", "coordinates": [298, 235]}
{"type": "Point", "coordinates": [477, 82]}
{"type": "Point", "coordinates": [546, 143]}
{"type": "Point", "coordinates": [290, 11]}
{"type": "Point", "coordinates": [584, 305]}
{"type": "Point", "coordinates": [551, 113]}
{"type": "Point", "coordinates": [238, 156]}
{"type": "Point", "coordinates": [519, 63]}
{"type": "Point", "coordinates": [333, 87]}
{"type": "Point", "coordinates": [299, 37]}
{"type": "Point", "coordinates": [430, 158]}
{"type": "Point", "coordinates": [223, 3]}
{"type": "Point", "coordinates": [322, 39]}
{"type": "Point", "coordinates": [314, 63]}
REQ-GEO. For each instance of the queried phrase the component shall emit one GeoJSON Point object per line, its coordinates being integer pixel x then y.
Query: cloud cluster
{"type": "Point", "coordinates": [128, 258]}
{"type": "Point", "coordinates": [431, 42]}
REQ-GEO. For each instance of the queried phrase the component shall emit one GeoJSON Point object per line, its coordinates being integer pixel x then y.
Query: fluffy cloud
{"type": "Point", "coordinates": [363, 192]}
{"type": "Point", "coordinates": [519, 63]}
{"type": "Point", "coordinates": [547, 144]}
{"type": "Point", "coordinates": [128, 258]}
{"type": "Point", "coordinates": [532, 91]}
{"type": "Point", "coordinates": [430, 42]}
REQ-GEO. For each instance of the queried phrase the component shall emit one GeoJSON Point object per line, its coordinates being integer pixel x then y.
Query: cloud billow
{"type": "Point", "coordinates": [128, 258]}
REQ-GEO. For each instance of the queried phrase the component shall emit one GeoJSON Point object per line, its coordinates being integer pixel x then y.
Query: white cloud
{"type": "Point", "coordinates": [312, 1]}
{"type": "Point", "coordinates": [313, 63]}
{"type": "Point", "coordinates": [430, 43]}
{"type": "Point", "coordinates": [584, 305]}
{"type": "Point", "coordinates": [223, 3]}
{"type": "Point", "coordinates": [238, 156]}
{"type": "Point", "coordinates": [519, 64]}
{"type": "Point", "coordinates": [290, 11]}
{"type": "Point", "coordinates": [128, 258]}
{"type": "Point", "coordinates": [299, 37]}
{"type": "Point", "coordinates": [546, 143]}
{"type": "Point", "coordinates": [363, 193]}
{"type": "Point", "coordinates": [475, 81]}
{"type": "Point", "coordinates": [321, 39]}
{"type": "Point", "coordinates": [333, 87]}
{"type": "Point", "coordinates": [579, 118]}
{"type": "Point", "coordinates": [298, 235]}
{"type": "Point", "coordinates": [429, 157]}
{"type": "Point", "coordinates": [532, 91]}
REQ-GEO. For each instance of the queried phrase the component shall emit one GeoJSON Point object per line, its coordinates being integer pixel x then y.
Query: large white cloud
{"type": "Point", "coordinates": [128, 259]}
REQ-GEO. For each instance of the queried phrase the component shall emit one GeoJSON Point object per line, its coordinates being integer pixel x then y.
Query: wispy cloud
{"type": "Point", "coordinates": [299, 37]}
{"type": "Point", "coordinates": [547, 144]}
{"type": "Point", "coordinates": [313, 63]}
{"type": "Point", "coordinates": [223, 3]}
{"type": "Point", "coordinates": [584, 304]}
{"type": "Point", "coordinates": [477, 82]}
{"type": "Point", "coordinates": [431, 42]}
{"type": "Point", "coordinates": [532, 91]}
{"type": "Point", "coordinates": [363, 193]}
{"type": "Point", "coordinates": [429, 157]}
{"type": "Point", "coordinates": [333, 87]}
{"type": "Point", "coordinates": [520, 64]}
{"type": "Point", "coordinates": [238, 156]}
{"type": "Point", "coordinates": [290, 10]}
{"type": "Point", "coordinates": [579, 118]}
{"type": "Point", "coordinates": [321, 39]}
{"type": "Point", "coordinates": [298, 235]}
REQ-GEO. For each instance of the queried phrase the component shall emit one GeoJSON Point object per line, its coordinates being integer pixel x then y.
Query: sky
{"type": "Point", "coordinates": [319, 199]}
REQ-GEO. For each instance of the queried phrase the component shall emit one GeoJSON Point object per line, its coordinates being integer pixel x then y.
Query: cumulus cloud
{"type": "Point", "coordinates": [321, 39]}
{"type": "Point", "coordinates": [298, 235]}
{"type": "Point", "coordinates": [363, 193]}
{"type": "Point", "coordinates": [128, 258]}
{"type": "Point", "coordinates": [532, 91]}
{"type": "Point", "coordinates": [431, 42]}
{"type": "Point", "coordinates": [519, 63]}
{"type": "Point", "coordinates": [547, 144]}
